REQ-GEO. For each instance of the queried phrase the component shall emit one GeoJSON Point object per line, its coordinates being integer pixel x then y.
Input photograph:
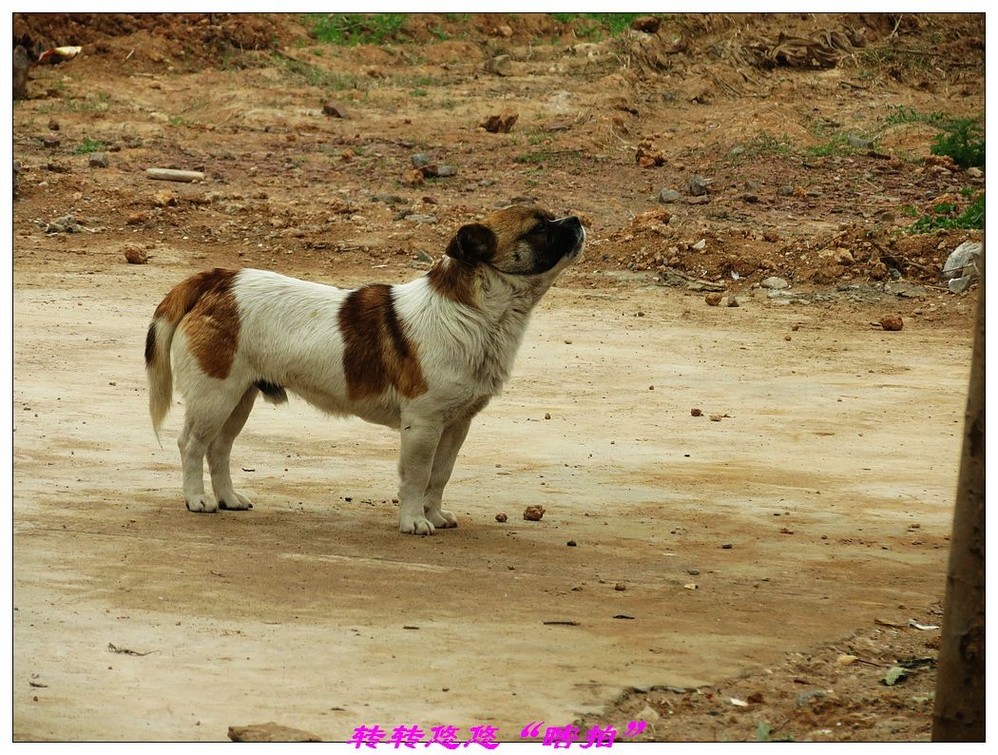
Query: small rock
{"type": "Point", "coordinates": [270, 732]}
{"type": "Point", "coordinates": [446, 171]}
{"type": "Point", "coordinates": [164, 198]}
{"type": "Point", "coordinates": [704, 199]}
{"type": "Point", "coordinates": [420, 218]}
{"type": "Point", "coordinates": [136, 218]}
{"type": "Point", "coordinates": [696, 412]}
{"type": "Point", "coordinates": [975, 172]}
{"type": "Point", "coordinates": [651, 218]}
{"type": "Point", "coordinates": [419, 160]}
{"type": "Point", "coordinates": [733, 301]}
{"type": "Point", "coordinates": [51, 141]}
{"type": "Point", "coordinates": [500, 65]}
{"type": "Point", "coordinates": [846, 660]}
{"type": "Point", "coordinates": [533, 513]}
{"type": "Point", "coordinates": [668, 196]}
{"type": "Point", "coordinates": [500, 517]}
{"type": "Point", "coordinates": [697, 185]}
{"type": "Point", "coordinates": [620, 587]}
{"type": "Point", "coordinates": [699, 246]}
{"type": "Point", "coordinates": [647, 155]}
{"type": "Point", "coordinates": [333, 110]}
{"type": "Point", "coordinates": [62, 224]}
{"type": "Point", "coordinates": [713, 299]}
{"type": "Point", "coordinates": [858, 142]}
{"type": "Point", "coordinates": [785, 191]}
{"type": "Point", "coordinates": [648, 715]}
{"type": "Point", "coordinates": [500, 124]}
{"type": "Point", "coordinates": [571, 544]}
{"type": "Point", "coordinates": [959, 285]}
{"type": "Point", "coordinates": [53, 124]}
{"type": "Point", "coordinates": [136, 255]}
{"type": "Point", "coordinates": [98, 160]}
{"type": "Point", "coordinates": [775, 283]}
{"type": "Point", "coordinates": [389, 199]}
{"type": "Point", "coordinates": [891, 322]}
{"type": "Point", "coordinates": [414, 177]}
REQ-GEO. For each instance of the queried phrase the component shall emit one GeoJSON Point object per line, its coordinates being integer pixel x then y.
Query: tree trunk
{"type": "Point", "coordinates": [959, 704]}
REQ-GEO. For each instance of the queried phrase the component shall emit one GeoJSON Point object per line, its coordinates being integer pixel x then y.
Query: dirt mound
{"type": "Point", "coordinates": [191, 38]}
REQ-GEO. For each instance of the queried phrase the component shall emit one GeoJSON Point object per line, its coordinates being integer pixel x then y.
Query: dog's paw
{"type": "Point", "coordinates": [415, 525]}
{"type": "Point", "coordinates": [441, 519]}
{"type": "Point", "coordinates": [241, 503]}
{"type": "Point", "coordinates": [200, 504]}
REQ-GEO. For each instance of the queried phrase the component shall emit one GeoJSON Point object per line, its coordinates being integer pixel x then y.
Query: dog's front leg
{"type": "Point", "coordinates": [443, 464]}
{"type": "Point", "coordinates": [419, 445]}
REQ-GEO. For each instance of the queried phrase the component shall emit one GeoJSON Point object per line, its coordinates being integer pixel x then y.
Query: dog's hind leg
{"type": "Point", "coordinates": [218, 455]}
{"type": "Point", "coordinates": [443, 464]}
{"type": "Point", "coordinates": [206, 415]}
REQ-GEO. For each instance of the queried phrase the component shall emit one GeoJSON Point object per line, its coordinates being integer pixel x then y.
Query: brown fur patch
{"type": "Point", "coordinates": [454, 280]}
{"type": "Point", "coordinates": [210, 319]}
{"type": "Point", "coordinates": [377, 353]}
{"type": "Point", "coordinates": [185, 295]}
{"type": "Point", "coordinates": [510, 224]}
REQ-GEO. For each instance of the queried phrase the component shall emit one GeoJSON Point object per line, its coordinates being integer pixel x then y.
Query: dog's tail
{"type": "Point", "coordinates": [159, 338]}
{"type": "Point", "coordinates": [159, 372]}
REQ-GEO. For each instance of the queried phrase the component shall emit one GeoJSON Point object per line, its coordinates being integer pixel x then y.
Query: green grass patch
{"type": "Point", "coordinates": [598, 26]}
{"type": "Point", "coordinates": [313, 75]}
{"type": "Point", "coordinates": [350, 29]}
{"type": "Point", "coordinates": [765, 143]}
{"type": "Point", "coordinates": [837, 145]}
{"type": "Point", "coordinates": [533, 158]}
{"type": "Point", "coordinates": [89, 145]}
{"type": "Point", "coordinates": [944, 215]}
{"type": "Point", "coordinates": [961, 139]}
{"type": "Point", "coordinates": [890, 59]}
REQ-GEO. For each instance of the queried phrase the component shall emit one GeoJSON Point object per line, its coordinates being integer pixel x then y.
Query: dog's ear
{"type": "Point", "coordinates": [473, 243]}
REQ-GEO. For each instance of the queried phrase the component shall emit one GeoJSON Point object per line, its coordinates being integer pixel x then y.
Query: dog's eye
{"type": "Point", "coordinates": [540, 228]}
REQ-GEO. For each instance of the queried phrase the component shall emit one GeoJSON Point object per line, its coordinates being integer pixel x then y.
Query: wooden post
{"type": "Point", "coordinates": [959, 705]}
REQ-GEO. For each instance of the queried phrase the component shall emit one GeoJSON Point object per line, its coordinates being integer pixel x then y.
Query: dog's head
{"type": "Point", "coordinates": [521, 240]}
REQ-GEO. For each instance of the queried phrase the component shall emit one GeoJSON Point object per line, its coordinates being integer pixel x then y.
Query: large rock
{"type": "Point", "coordinates": [963, 266]}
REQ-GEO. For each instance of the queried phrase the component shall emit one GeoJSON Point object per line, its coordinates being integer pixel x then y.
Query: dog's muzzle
{"type": "Point", "coordinates": [574, 225]}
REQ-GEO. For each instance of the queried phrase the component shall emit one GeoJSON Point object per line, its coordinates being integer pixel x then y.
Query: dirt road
{"type": "Point", "coordinates": [820, 500]}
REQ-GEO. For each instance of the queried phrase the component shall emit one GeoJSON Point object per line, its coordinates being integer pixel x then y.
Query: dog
{"type": "Point", "coordinates": [423, 357]}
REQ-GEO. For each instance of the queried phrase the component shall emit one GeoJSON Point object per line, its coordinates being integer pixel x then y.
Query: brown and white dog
{"type": "Point", "coordinates": [423, 357]}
